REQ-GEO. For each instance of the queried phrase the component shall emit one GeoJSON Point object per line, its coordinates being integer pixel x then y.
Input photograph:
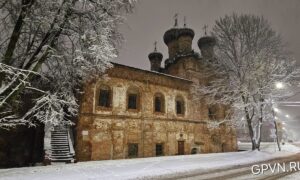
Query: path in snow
{"type": "Point", "coordinates": [244, 172]}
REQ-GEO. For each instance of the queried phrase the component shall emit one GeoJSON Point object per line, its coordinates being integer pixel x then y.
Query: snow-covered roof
{"type": "Point", "coordinates": [153, 72]}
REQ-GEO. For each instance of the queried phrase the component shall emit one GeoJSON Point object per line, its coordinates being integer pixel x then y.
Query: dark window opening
{"type": "Point", "coordinates": [159, 150]}
{"type": "Point", "coordinates": [158, 104]}
{"type": "Point", "coordinates": [104, 98]}
{"type": "Point", "coordinates": [194, 151]}
{"type": "Point", "coordinates": [211, 114]}
{"type": "Point", "coordinates": [132, 101]}
{"type": "Point", "coordinates": [223, 147]}
{"type": "Point", "coordinates": [133, 150]}
{"type": "Point", "coordinates": [179, 107]}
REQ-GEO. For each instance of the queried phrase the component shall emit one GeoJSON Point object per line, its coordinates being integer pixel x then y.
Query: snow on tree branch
{"type": "Point", "coordinates": [250, 59]}
{"type": "Point", "coordinates": [64, 42]}
{"type": "Point", "coordinates": [53, 109]}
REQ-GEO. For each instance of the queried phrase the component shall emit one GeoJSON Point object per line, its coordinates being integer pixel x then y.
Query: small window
{"type": "Point", "coordinates": [105, 97]}
{"type": "Point", "coordinates": [159, 103]}
{"type": "Point", "coordinates": [212, 113]}
{"type": "Point", "coordinates": [132, 101]}
{"type": "Point", "coordinates": [179, 106]}
{"type": "Point", "coordinates": [133, 150]}
{"type": "Point", "coordinates": [194, 151]}
{"type": "Point", "coordinates": [159, 150]}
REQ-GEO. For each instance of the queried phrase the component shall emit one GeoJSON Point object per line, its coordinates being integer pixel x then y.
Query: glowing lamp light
{"type": "Point", "coordinates": [287, 116]}
{"type": "Point", "coordinates": [279, 85]}
{"type": "Point", "coordinates": [276, 109]}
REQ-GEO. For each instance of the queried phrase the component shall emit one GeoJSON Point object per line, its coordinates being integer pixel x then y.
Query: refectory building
{"type": "Point", "coordinates": [144, 113]}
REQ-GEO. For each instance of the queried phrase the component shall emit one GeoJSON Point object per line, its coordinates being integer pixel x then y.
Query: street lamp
{"type": "Point", "coordinates": [279, 85]}
{"type": "Point", "coordinates": [274, 110]}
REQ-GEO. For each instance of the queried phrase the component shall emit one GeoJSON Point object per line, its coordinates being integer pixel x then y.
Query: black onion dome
{"type": "Point", "coordinates": [154, 55]}
{"type": "Point", "coordinates": [186, 32]}
{"type": "Point", "coordinates": [170, 35]}
{"type": "Point", "coordinates": [206, 40]}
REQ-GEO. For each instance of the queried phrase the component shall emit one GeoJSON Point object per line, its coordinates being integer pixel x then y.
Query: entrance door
{"type": "Point", "coordinates": [180, 147]}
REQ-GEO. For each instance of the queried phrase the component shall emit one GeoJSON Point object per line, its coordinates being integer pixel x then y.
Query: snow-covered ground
{"type": "Point", "coordinates": [292, 176]}
{"type": "Point", "coordinates": [268, 146]}
{"type": "Point", "coordinates": [144, 167]}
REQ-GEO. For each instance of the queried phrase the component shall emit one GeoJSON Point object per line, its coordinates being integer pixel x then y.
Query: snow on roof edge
{"type": "Point", "coordinates": [154, 72]}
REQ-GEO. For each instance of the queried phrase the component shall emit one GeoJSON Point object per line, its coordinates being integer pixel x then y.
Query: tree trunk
{"type": "Point", "coordinates": [7, 59]}
{"type": "Point", "coordinates": [277, 139]}
{"type": "Point", "coordinates": [250, 128]}
{"type": "Point", "coordinates": [276, 130]}
{"type": "Point", "coordinates": [259, 137]}
{"type": "Point", "coordinates": [26, 4]}
{"type": "Point", "coordinates": [249, 123]}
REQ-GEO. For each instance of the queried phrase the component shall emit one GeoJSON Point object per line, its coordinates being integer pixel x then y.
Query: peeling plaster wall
{"type": "Point", "coordinates": [105, 134]}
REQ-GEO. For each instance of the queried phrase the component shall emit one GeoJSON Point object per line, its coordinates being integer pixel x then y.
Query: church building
{"type": "Point", "coordinates": [133, 112]}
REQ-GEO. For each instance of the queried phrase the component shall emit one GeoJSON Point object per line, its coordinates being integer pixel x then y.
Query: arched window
{"type": "Point", "coordinates": [105, 97]}
{"type": "Point", "coordinates": [133, 99]}
{"type": "Point", "coordinates": [159, 103]}
{"type": "Point", "coordinates": [180, 106]}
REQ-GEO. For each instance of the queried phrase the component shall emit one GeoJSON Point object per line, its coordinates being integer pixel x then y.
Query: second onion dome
{"type": "Point", "coordinates": [155, 59]}
{"type": "Point", "coordinates": [206, 45]}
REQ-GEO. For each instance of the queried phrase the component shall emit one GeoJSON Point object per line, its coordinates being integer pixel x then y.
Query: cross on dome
{"type": "Point", "coordinates": [155, 44]}
{"type": "Point", "coordinates": [176, 20]}
{"type": "Point", "coordinates": [205, 29]}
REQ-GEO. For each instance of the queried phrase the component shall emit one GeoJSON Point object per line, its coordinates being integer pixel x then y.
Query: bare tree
{"type": "Point", "coordinates": [250, 59]}
{"type": "Point", "coordinates": [47, 49]}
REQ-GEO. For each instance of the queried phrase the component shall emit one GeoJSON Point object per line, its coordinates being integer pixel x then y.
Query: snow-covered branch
{"type": "Point", "coordinates": [250, 60]}
{"type": "Point", "coordinates": [48, 49]}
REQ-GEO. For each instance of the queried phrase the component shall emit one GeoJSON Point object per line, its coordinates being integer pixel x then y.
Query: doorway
{"type": "Point", "coordinates": [180, 147]}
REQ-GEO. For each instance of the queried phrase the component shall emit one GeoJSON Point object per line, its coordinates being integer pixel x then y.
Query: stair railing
{"type": "Point", "coordinates": [71, 148]}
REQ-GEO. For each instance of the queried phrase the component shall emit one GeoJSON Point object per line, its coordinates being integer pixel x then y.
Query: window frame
{"type": "Point", "coordinates": [162, 149]}
{"type": "Point", "coordinates": [212, 113]}
{"type": "Point", "coordinates": [136, 92]}
{"type": "Point", "coordinates": [162, 103]}
{"type": "Point", "coordinates": [110, 98]}
{"type": "Point", "coordinates": [182, 101]}
{"type": "Point", "coordinates": [128, 150]}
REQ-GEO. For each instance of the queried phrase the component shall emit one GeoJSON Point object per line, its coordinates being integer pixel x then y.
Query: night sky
{"type": "Point", "coordinates": [152, 18]}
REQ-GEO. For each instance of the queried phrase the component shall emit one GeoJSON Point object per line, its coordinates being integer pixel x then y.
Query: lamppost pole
{"type": "Point", "coordinates": [276, 129]}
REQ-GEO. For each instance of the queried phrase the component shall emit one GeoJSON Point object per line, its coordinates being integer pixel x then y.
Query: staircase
{"type": "Point", "coordinates": [61, 146]}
